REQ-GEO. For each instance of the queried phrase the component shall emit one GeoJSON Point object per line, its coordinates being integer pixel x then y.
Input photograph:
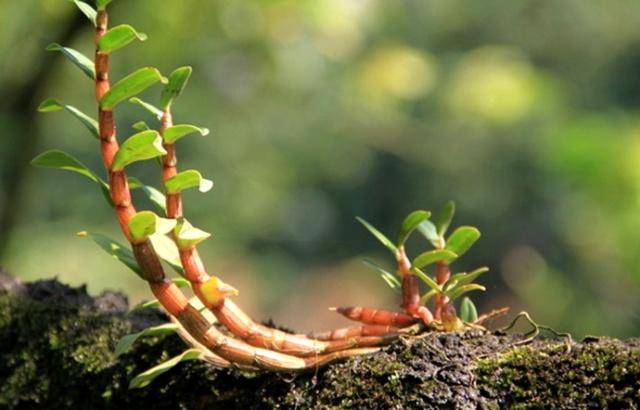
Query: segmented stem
{"type": "Point", "coordinates": [225, 310]}
{"type": "Point", "coordinates": [169, 295]}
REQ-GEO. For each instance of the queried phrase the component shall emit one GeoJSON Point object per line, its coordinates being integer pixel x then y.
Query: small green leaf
{"type": "Point", "coordinates": [410, 223]}
{"type": "Point", "coordinates": [117, 250]}
{"type": "Point", "coordinates": [87, 10]}
{"type": "Point", "coordinates": [388, 277]}
{"type": "Point", "coordinates": [167, 250]}
{"type": "Point", "coordinates": [77, 58]}
{"type": "Point", "coordinates": [187, 179]}
{"type": "Point", "coordinates": [177, 81]}
{"type": "Point", "coordinates": [156, 197]}
{"type": "Point", "coordinates": [118, 37]}
{"type": "Point", "coordinates": [427, 279]}
{"type": "Point", "coordinates": [139, 147]}
{"type": "Point", "coordinates": [174, 133]}
{"type": "Point", "coordinates": [436, 255]}
{"type": "Point", "coordinates": [52, 105]}
{"type": "Point", "coordinates": [102, 4]}
{"type": "Point", "coordinates": [445, 217]}
{"type": "Point", "coordinates": [429, 231]}
{"type": "Point", "coordinates": [463, 278]}
{"type": "Point", "coordinates": [146, 377]}
{"type": "Point", "coordinates": [392, 282]}
{"type": "Point", "coordinates": [154, 303]}
{"type": "Point", "coordinates": [155, 111]}
{"type": "Point", "coordinates": [131, 85]}
{"type": "Point", "coordinates": [379, 235]}
{"type": "Point", "coordinates": [181, 282]}
{"type": "Point", "coordinates": [427, 296]}
{"type": "Point", "coordinates": [141, 126]}
{"type": "Point", "coordinates": [468, 311]}
{"type": "Point", "coordinates": [462, 239]}
{"type": "Point", "coordinates": [146, 223]}
{"type": "Point", "coordinates": [461, 290]}
{"type": "Point", "coordinates": [61, 160]}
{"type": "Point", "coordinates": [187, 235]}
{"type": "Point", "coordinates": [125, 343]}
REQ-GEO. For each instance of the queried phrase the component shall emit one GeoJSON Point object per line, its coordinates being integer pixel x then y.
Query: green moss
{"type": "Point", "coordinates": [56, 351]}
{"type": "Point", "coordinates": [603, 374]}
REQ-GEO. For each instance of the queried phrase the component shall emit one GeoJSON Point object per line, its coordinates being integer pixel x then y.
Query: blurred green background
{"type": "Point", "coordinates": [525, 112]}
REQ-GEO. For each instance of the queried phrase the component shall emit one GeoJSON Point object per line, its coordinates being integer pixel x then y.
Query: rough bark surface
{"type": "Point", "coordinates": [56, 351]}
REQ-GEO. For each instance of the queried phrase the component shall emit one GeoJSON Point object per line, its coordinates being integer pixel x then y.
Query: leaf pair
{"type": "Point", "coordinates": [146, 224]}
{"type": "Point", "coordinates": [435, 232]}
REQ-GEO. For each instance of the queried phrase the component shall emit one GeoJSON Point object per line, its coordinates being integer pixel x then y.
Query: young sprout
{"type": "Point", "coordinates": [442, 287]}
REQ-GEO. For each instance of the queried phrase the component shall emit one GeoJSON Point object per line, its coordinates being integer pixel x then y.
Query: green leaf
{"type": "Point", "coordinates": [174, 133]}
{"type": "Point", "coordinates": [125, 343]}
{"type": "Point", "coordinates": [87, 10]}
{"type": "Point", "coordinates": [429, 231]}
{"type": "Point", "coordinates": [146, 223]}
{"type": "Point", "coordinates": [388, 277]}
{"type": "Point", "coordinates": [181, 282]}
{"type": "Point", "coordinates": [155, 111]}
{"type": "Point", "coordinates": [463, 278]}
{"type": "Point", "coordinates": [118, 37]}
{"type": "Point", "coordinates": [156, 197]}
{"type": "Point", "coordinates": [427, 296]}
{"type": "Point", "coordinates": [429, 257]}
{"type": "Point", "coordinates": [446, 216]}
{"type": "Point", "coordinates": [462, 239]}
{"type": "Point", "coordinates": [167, 250]}
{"type": "Point", "coordinates": [427, 279]}
{"type": "Point", "coordinates": [117, 250]}
{"type": "Point", "coordinates": [77, 58]}
{"type": "Point", "coordinates": [154, 303]}
{"type": "Point", "coordinates": [102, 4]}
{"type": "Point", "coordinates": [187, 179]}
{"type": "Point", "coordinates": [52, 105]}
{"type": "Point", "coordinates": [139, 147]}
{"type": "Point", "coordinates": [468, 311]}
{"type": "Point", "coordinates": [177, 81]}
{"type": "Point", "coordinates": [410, 223]}
{"type": "Point", "coordinates": [140, 126]}
{"type": "Point", "coordinates": [131, 85]}
{"type": "Point", "coordinates": [461, 290]}
{"type": "Point", "coordinates": [57, 159]}
{"type": "Point", "coordinates": [146, 377]}
{"type": "Point", "coordinates": [187, 235]}
{"type": "Point", "coordinates": [379, 235]}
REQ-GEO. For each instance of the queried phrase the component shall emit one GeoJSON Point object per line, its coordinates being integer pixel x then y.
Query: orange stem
{"type": "Point", "coordinates": [168, 294]}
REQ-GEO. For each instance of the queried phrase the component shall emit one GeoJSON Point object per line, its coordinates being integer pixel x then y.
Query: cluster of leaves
{"type": "Point", "coordinates": [445, 249]}
{"type": "Point", "coordinates": [146, 144]}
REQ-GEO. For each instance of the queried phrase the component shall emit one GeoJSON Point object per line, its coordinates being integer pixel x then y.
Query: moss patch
{"type": "Point", "coordinates": [56, 351]}
{"type": "Point", "coordinates": [603, 373]}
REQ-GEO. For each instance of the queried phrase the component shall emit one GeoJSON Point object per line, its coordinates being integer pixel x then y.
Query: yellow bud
{"type": "Point", "coordinates": [215, 290]}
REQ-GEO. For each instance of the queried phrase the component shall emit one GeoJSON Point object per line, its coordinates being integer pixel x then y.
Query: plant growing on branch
{"type": "Point", "coordinates": [441, 287]}
{"type": "Point", "coordinates": [211, 324]}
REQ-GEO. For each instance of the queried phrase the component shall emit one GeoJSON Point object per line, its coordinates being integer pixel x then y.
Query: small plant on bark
{"type": "Point", "coordinates": [442, 287]}
{"type": "Point", "coordinates": [211, 324]}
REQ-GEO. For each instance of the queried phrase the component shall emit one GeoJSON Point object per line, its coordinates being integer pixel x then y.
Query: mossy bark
{"type": "Point", "coordinates": [56, 351]}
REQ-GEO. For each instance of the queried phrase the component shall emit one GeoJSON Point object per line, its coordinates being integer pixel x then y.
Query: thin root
{"type": "Point", "coordinates": [535, 331]}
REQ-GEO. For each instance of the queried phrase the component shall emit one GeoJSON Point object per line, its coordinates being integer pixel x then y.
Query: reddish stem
{"type": "Point", "coordinates": [443, 272]}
